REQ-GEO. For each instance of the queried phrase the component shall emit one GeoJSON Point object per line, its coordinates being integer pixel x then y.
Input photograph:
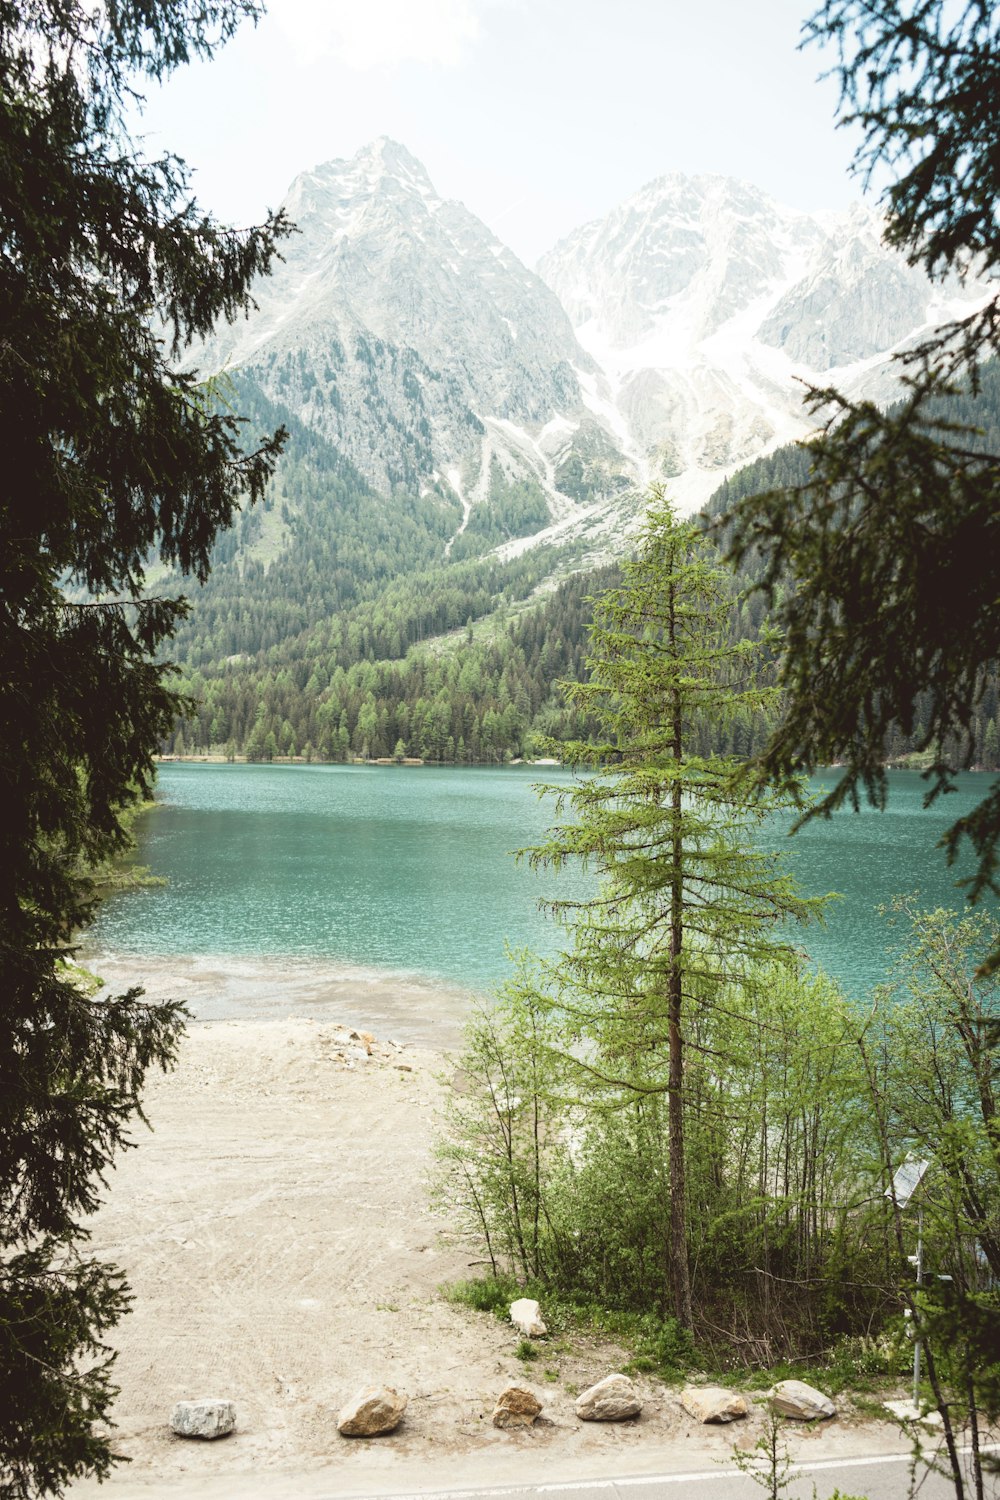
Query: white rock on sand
{"type": "Point", "coordinates": [207, 1417]}
{"type": "Point", "coordinates": [793, 1398]}
{"type": "Point", "coordinates": [370, 1413]}
{"type": "Point", "coordinates": [713, 1403]}
{"type": "Point", "coordinates": [613, 1399]}
{"type": "Point", "coordinates": [526, 1316]}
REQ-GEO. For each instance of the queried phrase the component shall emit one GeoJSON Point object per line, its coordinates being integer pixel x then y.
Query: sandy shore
{"type": "Point", "coordinates": [276, 1233]}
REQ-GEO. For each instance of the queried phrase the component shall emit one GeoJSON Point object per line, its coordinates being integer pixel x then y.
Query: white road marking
{"type": "Point", "coordinates": [557, 1487]}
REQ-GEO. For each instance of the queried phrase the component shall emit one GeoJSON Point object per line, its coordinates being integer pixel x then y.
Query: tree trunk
{"type": "Point", "coordinates": [679, 1269]}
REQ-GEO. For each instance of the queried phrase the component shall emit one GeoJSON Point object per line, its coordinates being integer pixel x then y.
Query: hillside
{"type": "Point", "coordinates": [331, 627]}
{"type": "Point", "coordinates": [469, 440]}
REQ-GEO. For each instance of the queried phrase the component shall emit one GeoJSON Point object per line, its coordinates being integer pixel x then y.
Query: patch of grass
{"type": "Point", "coordinates": [660, 1347]}
{"type": "Point", "coordinates": [854, 1364]}
{"type": "Point", "coordinates": [489, 1294]}
{"type": "Point", "coordinates": [551, 1374]}
{"type": "Point", "coordinates": [526, 1351]}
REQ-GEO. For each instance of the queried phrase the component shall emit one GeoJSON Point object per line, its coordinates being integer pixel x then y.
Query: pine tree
{"type": "Point", "coordinates": [690, 903]}
{"type": "Point", "coordinates": [881, 556]}
{"type": "Point", "coordinates": [112, 454]}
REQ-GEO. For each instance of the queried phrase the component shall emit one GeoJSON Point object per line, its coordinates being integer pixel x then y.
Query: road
{"type": "Point", "coordinates": [882, 1477]}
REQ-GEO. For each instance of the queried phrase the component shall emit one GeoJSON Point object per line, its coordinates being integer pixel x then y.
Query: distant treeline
{"type": "Point", "coordinates": [335, 626]}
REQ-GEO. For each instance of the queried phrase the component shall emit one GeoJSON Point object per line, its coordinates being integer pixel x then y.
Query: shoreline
{"type": "Point", "coordinates": [215, 758]}
{"type": "Point", "coordinates": [276, 1229]}
{"type": "Point", "coordinates": [410, 1007]}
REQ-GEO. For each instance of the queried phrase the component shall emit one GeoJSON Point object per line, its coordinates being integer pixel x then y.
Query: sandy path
{"type": "Point", "coordinates": [275, 1230]}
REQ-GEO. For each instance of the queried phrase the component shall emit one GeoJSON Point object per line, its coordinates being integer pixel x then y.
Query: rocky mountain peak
{"type": "Point", "coordinates": [668, 340]}
{"type": "Point", "coordinates": [706, 304]}
{"type": "Point", "coordinates": [403, 330]}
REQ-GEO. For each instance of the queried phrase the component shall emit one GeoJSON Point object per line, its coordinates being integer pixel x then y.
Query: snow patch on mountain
{"type": "Point", "coordinates": [402, 329]}
{"type": "Point", "coordinates": [709, 307]}
{"type": "Point", "coordinates": [670, 341]}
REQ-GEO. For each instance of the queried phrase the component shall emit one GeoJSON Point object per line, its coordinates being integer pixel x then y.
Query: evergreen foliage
{"type": "Point", "coordinates": [328, 598]}
{"type": "Point", "coordinates": [111, 452]}
{"type": "Point", "coordinates": [689, 905]}
{"type": "Point", "coordinates": [881, 563]}
{"type": "Point", "coordinates": [799, 1108]}
{"type": "Point", "coordinates": [933, 1074]}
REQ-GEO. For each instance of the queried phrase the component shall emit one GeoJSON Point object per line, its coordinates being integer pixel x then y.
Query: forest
{"type": "Point", "coordinates": [333, 627]}
{"type": "Point", "coordinates": [678, 1128]}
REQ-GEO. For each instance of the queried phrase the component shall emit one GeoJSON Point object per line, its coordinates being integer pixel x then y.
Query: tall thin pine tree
{"type": "Point", "coordinates": [691, 902]}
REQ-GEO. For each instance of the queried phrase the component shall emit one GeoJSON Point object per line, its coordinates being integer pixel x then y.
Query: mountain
{"type": "Point", "coordinates": [669, 340]}
{"type": "Point", "coordinates": [706, 304]}
{"type": "Point", "coordinates": [402, 331]}
{"type": "Point", "coordinates": [335, 629]}
{"type": "Point", "coordinates": [466, 434]}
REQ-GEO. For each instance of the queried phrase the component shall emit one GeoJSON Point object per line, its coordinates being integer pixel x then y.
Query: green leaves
{"type": "Point", "coordinates": [112, 456]}
{"type": "Point", "coordinates": [881, 563]}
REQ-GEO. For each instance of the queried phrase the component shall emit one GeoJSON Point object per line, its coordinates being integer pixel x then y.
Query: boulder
{"type": "Point", "coordinates": [613, 1399]}
{"type": "Point", "coordinates": [713, 1403]}
{"type": "Point", "coordinates": [793, 1398]}
{"type": "Point", "coordinates": [516, 1408]}
{"type": "Point", "coordinates": [207, 1417]}
{"type": "Point", "coordinates": [526, 1316]}
{"type": "Point", "coordinates": [375, 1410]}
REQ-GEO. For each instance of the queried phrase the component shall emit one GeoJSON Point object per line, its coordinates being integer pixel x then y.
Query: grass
{"type": "Point", "coordinates": [658, 1346]}
{"type": "Point", "coordinates": [488, 1294]}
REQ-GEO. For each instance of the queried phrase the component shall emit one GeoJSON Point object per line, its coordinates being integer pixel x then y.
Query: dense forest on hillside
{"type": "Point", "coordinates": [338, 623]}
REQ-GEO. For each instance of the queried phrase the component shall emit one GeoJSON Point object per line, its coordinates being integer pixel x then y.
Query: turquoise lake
{"type": "Point", "coordinates": [409, 872]}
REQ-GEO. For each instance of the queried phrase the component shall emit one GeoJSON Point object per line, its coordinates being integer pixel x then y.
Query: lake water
{"type": "Point", "coordinates": [369, 874]}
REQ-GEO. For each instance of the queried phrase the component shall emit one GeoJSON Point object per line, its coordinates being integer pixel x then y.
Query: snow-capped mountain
{"type": "Point", "coordinates": [401, 329]}
{"type": "Point", "coordinates": [706, 305]}
{"type": "Point", "coordinates": [669, 340]}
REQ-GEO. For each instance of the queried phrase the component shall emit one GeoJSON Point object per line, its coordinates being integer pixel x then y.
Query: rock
{"type": "Point", "coordinates": [713, 1403]}
{"type": "Point", "coordinates": [905, 1411]}
{"type": "Point", "coordinates": [375, 1410]}
{"type": "Point", "coordinates": [526, 1316]}
{"type": "Point", "coordinates": [516, 1408]}
{"type": "Point", "coordinates": [207, 1417]}
{"type": "Point", "coordinates": [613, 1399]}
{"type": "Point", "coordinates": [793, 1398]}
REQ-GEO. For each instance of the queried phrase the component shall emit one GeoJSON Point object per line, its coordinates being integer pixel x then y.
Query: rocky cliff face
{"type": "Point", "coordinates": [669, 340]}
{"type": "Point", "coordinates": [401, 329]}
{"type": "Point", "coordinates": [706, 305]}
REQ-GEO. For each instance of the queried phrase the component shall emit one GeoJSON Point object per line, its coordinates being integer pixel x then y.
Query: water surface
{"type": "Point", "coordinates": [284, 876]}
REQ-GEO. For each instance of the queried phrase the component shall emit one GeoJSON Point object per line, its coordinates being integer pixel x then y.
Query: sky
{"type": "Point", "coordinates": [539, 115]}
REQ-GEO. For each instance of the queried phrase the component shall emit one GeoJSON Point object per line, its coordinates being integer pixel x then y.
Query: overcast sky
{"type": "Point", "coordinates": [538, 114]}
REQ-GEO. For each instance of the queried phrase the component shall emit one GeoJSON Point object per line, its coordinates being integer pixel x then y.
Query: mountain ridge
{"type": "Point", "coordinates": [668, 340]}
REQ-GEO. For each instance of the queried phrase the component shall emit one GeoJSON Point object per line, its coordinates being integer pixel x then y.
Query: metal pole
{"type": "Point", "coordinates": [916, 1320]}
